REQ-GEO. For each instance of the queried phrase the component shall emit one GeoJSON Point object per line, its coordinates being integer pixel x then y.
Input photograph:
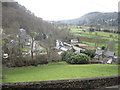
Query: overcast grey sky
{"type": "Point", "coordinates": [68, 9]}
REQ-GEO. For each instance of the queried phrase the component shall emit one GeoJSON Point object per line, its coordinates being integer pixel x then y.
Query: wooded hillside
{"type": "Point", "coordinates": [15, 16]}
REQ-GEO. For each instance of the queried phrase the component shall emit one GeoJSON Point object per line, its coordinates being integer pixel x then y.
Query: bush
{"type": "Point", "coordinates": [103, 47]}
{"type": "Point", "coordinates": [63, 55]}
{"type": "Point", "coordinates": [27, 61]}
{"type": "Point", "coordinates": [75, 58]}
{"type": "Point", "coordinates": [66, 55]}
{"type": "Point", "coordinates": [41, 59]}
{"type": "Point", "coordinates": [90, 53]}
{"type": "Point", "coordinates": [54, 57]}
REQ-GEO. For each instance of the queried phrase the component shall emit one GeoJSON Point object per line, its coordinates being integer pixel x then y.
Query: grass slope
{"type": "Point", "coordinates": [57, 71]}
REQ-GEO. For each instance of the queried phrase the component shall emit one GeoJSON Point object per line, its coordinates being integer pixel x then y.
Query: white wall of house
{"type": "Point", "coordinates": [74, 41]}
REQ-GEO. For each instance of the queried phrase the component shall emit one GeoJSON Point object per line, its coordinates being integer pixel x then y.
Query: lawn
{"type": "Point", "coordinates": [57, 71]}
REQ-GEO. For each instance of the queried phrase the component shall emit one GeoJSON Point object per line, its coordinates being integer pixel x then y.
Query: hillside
{"type": "Point", "coordinates": [16, 16]}
{"type": "Point", "coordinates": [94, 18]}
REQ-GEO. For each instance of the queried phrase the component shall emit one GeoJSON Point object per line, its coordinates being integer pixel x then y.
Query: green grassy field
{"type": "Point", "coordinates": [93, 44]}
{"type": "Point", "coordinates": [57, 71]}
{"type": "Point", "coordinates": [103, 36]}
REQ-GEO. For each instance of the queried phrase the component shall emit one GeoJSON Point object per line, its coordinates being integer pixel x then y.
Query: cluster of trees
{"type": "Point", "coordinates": [111, 31]}
{"type": "Point", "coordinates": [90, 53]}
{"type": "Point", "coordinates": [15, 17]}
{"type": "Point", "coordinates": [97, 27]}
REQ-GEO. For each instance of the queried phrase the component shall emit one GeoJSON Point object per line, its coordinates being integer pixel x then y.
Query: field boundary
{"type": "Point", "coordinates": [83, 83]}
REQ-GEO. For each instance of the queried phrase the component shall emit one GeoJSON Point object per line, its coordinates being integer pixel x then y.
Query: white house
{"type": "Point", "coordinates": [109, 61]}
{"type": "Point", "coordinates": [77, 49]}
{"type": "Point", "coordinates": [74, 41]}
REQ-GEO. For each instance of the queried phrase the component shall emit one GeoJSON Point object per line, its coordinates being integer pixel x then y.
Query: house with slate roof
{"type": "Point", "coordinates": [104, 56]}
{"type": "Point", "coordinates": [63, 46]}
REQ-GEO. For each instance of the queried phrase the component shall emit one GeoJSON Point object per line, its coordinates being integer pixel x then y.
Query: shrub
{"type": "Point", "coordinates": [75, 58]}
{"type": "Point", "coordinates": [63, 55]}
{"type": "Point", "coordinates": [103, 47]}
{"type": "Point", "coordinates": [90, 53]}
{"type": "Point", "coordinates": [41, 59]}
{"type": "Point", "coordinates": [54, 57]}
{"type": "Point", "coordinates": [66, 55]}
{"type": "Point", "coordinates": [27, 61]}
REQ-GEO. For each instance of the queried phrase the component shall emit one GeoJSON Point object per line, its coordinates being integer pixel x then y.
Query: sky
{"type": "Point", "coordinates": [67, 9]}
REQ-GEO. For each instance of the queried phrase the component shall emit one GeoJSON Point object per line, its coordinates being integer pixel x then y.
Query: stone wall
{"type": "Point", "coordinates": [83, 83]}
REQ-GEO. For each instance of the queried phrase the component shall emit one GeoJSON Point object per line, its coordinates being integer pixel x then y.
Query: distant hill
{"type": "Point", "coordinates": [94, 18]}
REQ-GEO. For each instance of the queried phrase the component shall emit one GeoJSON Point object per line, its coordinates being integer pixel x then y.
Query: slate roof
{"type": "Point", "coordinates": [96, 57]}
{"type": "Point", "coordinates": [106, 53]}
{"type": "Point", "coordinates": [99, 52]}
{"type": "Point", "coordinates": [65, 48]}
{"type": "Point", "coordinates": [78, 49]}
{"type": "Point", "coordinates": [109, 54]}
